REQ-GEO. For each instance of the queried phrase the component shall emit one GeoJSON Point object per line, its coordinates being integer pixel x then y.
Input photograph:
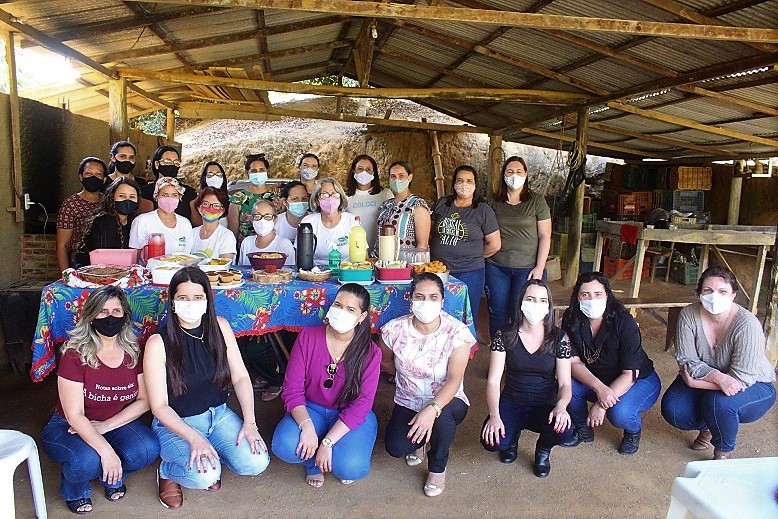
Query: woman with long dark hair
{"type": "Point", "coordinates": [190, 364]}
{"type": "Point", "coordinates": [166, 162]}
{"type": "Point", "coordinates": [366, 194]}
{"type": "Point", "coordinates": [214, 176]}
{"type": "Point", "coordinates": [535, 357]}
{"type": "Point", "coordinates": [329, 387]}
{"type": "Point", "coordinates": [610, 366]}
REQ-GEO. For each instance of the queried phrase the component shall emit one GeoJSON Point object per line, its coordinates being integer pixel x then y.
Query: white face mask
{"type": "Point", "coordinates": [263, 227]}
{"type": "Point", "coordinates": [363, 178]}
{"type": "Point", "coordinates": [341, 320]}
{"type": "Point", "coordinates": [426, 311]}
{"type": "Point", "coordinates": [308, 173]}
{"type": "Point", "coordinates": [515, 181]}
{"type": "Point", "coordinates": [593, 308]}
{"type": "Point", "coordinates": [715, 303]}
{"type": "Point", "coordinates": [190, 311]}
{"type": "Point", "coordinates": [464, 190]}
{"type": "Point", "coordinates": [534, 312]}
{"type": "Point", "coordinates": [216, 182]}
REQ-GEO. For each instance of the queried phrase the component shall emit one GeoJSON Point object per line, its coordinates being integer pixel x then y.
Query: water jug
{"type": "Point", "coordinates": [357, 243]}
{"type": "Point", "coordinates": [306, 246]}
{"type": "Point", "coordinates": [154, 248]}
{"type": "Point", "coordinates": [388, 243]}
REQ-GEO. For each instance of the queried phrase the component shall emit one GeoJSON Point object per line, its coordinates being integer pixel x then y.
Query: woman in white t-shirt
{"type": "Point", "coordinates": [263, 216]}
{"type": "Point", "coordinates": [175, 228]}
{"type": "Point", "coordinates": [365, 194]}
{"type": "Point", "coordinates": [211, 239]}
{"type": "Point", "coordinates": [330, 221]}
{"type": "Point", "coordinates": [295, 198]}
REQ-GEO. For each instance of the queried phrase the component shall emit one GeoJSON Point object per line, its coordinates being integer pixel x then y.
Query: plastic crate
{"type": "Point", "coordinates": [643, 201]}
{"type": "Point", "coordinates": [685, 273]}
{"type": "Point", "coordinates": [588, 223]}
{"type": "Point", "coordinates": [559, 243]}
{"type": "Point", "coordinates": [632, 177]}
{"type": "Point", "coordinates": [612, 266]}
{"type": "Point", "coordinates": [662, 178]}
{"type": "Point", "coordinates": [620, 204]}
{"type": "Point", "coordinates": [691, 177]}
{"type": "Point", "coordinates": [613, 172]}
{"type": "Point", "coordinates": [695, 218]}
{"type": "Point", "coordinates": [662, 199]}
{"type": "Point", "coordinates": [689, 201]}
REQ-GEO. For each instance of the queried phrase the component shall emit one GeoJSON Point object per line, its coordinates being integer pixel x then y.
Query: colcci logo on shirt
{"type": "Point", "coordinates": [451, 230]}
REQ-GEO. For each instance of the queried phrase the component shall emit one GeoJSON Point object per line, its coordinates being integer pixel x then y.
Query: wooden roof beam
{"type": "Point", "coordinates": [592, 144]}
{"type": "Point", "coordinates": [363, 49]}
{"type": "Point", "coordinates": [500, 18]}
{"type": "Point", "coordinates": [159, 32]}
{"type": "Point", "coordinates": [264, 71]}
{"type": "Point", "coordinates": [253, 58]}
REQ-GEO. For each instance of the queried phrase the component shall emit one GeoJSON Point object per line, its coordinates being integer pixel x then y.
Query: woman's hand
{"type": "Point", "coordinates": [99, 426]}
{"type": "Point", "coordinates": [729, 385]}
{"type": "Point", "coordinates": [309, 442]}
{"type": "Point", "coordinates": [421, 425]}
{"type": "Point", "coordinates": [560, 418]}
{"type": "Point", "coordinates": [596, 416]}
{"type": "Point", "coordinates": [686, 376]}
{"type": "Point", "coordinates": [201, 454]}
{"type": "Point", "coordinates": [494, 431]}
{"type": "Point", "coordinates": [324, 458]}
{"type": "Point", "coordinates": [536, 273]}
{"type": "Point", "coordinates": [250, 433]}
{"type": "Point", "coordinates": [606, 397]}
{"type": "Point", "coordinates": [112, 467]}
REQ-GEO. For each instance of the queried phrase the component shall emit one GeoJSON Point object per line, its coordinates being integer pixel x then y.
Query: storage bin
{"type": "Point", "coordinates": [613, 173]}
{"type": "Point", "coordinates": [356, 275]}
{"type": "Point", "coordinates": [662, 178]}
{"type": "Point", "coordinates": [643, 201]}
{"type": "Point", "coordinates": [689, 201]}
{"type": "Point", "coordinates": [691, 177]}
{"type": "Point", "coordinates": [118, 257]}
{"type": "Point", "coordinates": [612, 266]}
{"type": "Point", "coordinates": [697, 218]}
{"type": "Point", "coordinates": [619, 204]}
{"type": "Point", "coordinates": [662, 199]}
{"type": "Point", "coordinates": [685, 273]}
{"type": "Point", "coordinates": [632, 177]}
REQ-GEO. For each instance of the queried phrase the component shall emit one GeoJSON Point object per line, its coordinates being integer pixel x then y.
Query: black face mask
{"type": "Point", "coordinates": [123, 166]}
{"type": "Point", "coordinates": [92, 184]}
{"type": "Point", "coordinates": [126, 207]}
{"type": "Point", "coordinates": [168, 171]}
{"type": "Point", "coordinates": [108, 326]}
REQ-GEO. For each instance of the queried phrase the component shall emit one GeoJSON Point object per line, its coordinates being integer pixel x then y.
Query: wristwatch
{"type": "Point", "coordinates": [326, 442]}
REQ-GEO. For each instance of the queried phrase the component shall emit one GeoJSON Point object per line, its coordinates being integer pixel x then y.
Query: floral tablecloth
{"type": "Point", "coordinates": [251, 309]}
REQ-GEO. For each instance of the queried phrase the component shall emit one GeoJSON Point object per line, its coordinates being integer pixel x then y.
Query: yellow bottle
{"type": "Point", "coordinates": [357, 243]}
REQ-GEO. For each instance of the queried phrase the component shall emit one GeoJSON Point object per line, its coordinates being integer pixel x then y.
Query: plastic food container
{"type": "Point", "coordinates": [215, 264]}
{"type": "Point", "coordinates": [120, 257]}
{"type": "Point", "coordinates": [163, 275]}
{"type": "Point", "coordinates": [393, 274]}
{"type": "Point", "coordinates": [259, 262]}
{"type": "Point", "coordinates": [356, 275]}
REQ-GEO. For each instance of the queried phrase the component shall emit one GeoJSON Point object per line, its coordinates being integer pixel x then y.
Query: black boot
{"type": "Point", "coordinates": [582, 434]}
{"type": "Point", "coordinates": [630, 443]}
{"type": "Point", "coordinates": [509, 455]}
{"type": "Point", "coordinates": [542, 465]}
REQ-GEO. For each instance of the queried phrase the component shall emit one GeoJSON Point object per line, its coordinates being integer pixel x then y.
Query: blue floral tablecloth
{"type": "Point", "coordinates": [251, 309]}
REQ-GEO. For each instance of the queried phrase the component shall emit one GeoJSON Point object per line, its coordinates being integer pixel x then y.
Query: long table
{"type": "Point", "coordinates": [251, 309]}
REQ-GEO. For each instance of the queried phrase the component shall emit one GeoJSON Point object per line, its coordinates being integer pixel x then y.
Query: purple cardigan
{"type": "Point", "coordinates": [307, 371]}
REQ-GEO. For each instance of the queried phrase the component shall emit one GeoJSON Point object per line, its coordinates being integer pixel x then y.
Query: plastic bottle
{"type": "Point", "coordinates": [333, 260]}
{"type": "Point", "coordinates": [357, 243]}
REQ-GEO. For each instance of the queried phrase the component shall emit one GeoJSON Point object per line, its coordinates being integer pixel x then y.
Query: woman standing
{"type": "Point", "coordinates": [524, 220]}
{"type": "Point", "coordinates": [109, 227]}
{"type": "Point", "coordinates": [295, 199]}
{"type": "Point", "coordinates": [428, 352]}
{"type": "Point", "coordinates": [330, 221]}
{"type": "Point", "coordinates": [535, 357]}
{"type": "Point", "coordinates": [190, 364]}
{"type": "Point", "coordinates": [242, 202]}
{"type": "Point", "coordinates": [122, 161]}
{"type": "Point", "coordinates": [166, 163]}
{"type": "Point", "coordinates": [212, 175]}
{"type": "Point", "coordinates": [464, 232]}
{"type": "Point", "coordinates": [365, 194]}
{"type": "Point", "coordinates": [95, 433]}
{"type": "Point", "coordinates": [211, 239]}
{"type": "Point", "coordinates": [610, 366]}
{"type": "Point", "coordinates": [176, 229]}
{"type": "Point", "coordinates": [725, 378]}
{"type": "Point", "coordinates": [309, 170]}
{"type": "Point", "coordinates": [407, 212]}
{"type": "Point", "coordinates": [329, 388]}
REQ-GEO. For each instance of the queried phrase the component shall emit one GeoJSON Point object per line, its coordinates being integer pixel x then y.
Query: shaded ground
{"type": "Point", "coordinates": [590, 481]}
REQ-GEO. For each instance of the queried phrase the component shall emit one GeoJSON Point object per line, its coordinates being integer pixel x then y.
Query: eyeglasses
{"type": "Point", "coordinates": [258, 217]}
{"type": "Point", "coordinates": [210, 174]}
{"type": "Point", "coordinates": [329, 195]}
{"type": "Point", "coordinates": [169, 162]}
{"type": "Point", "coordinates": [331, 370]}
{"type": "Point", "coordinates": [215, 205]}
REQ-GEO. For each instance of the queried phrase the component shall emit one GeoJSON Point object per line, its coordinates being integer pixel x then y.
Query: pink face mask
{"type": "Point", "coordinates": [168, 204]}
{"type": "Point", "coordinates": [329, 205]}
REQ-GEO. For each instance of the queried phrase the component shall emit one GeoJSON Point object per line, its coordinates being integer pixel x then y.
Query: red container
{"type": "Point", "coordinates": [611, 266]}
{"type": "Point", "coordinates": [643, 201]}
{"type": "Point", "coordinates": [393, 274]}
{"type": "Point", "coordinates": [621, 204]}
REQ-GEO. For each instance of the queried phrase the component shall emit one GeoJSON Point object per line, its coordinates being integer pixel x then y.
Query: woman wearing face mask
{"type": "Point", "coordinates": [165, 164]}
{"type": "Point", "coordinates": [95, 432]}
{"type": "Point", "coordinates": [309, 170]}
{"type": "Point", "coordinates": [189, 365]}
{"type": "Point", "coordinates": [427, 351]}
{"type": "Point", "coordinates": [464, 232]}
{"type": "Point", "coordinates": [296, 202]}
{"type": "Point", "coordinates": [329, 388]}
{"type": "Point", "coordinates": [365, 194]}
{"type": "Point", "coordinates": [610, 366]}
{"type": "Point", "coordinates": [213, 175]}
{"type": "Point", "coordinates": [242, 202]}
{"type": "Point", "coordinates": [525, 231]}
{"type": "Point", "coordinates": [122, 161]}
{"type": "Point", "coordinates": [109, 227]}
{"type": "Point", "coordinates": [330, 221]}
{"type": "Point", "coordinates": [211, 239]}
{"type": "Point", "coordinates": [77, 209]}
{"type": "Point", "coordinates": [175, 228]}
{"type": "Point", "coordinates": [725, 378]}
{"type": "Point", "coordinates": [535, 357]}
{"type": "Point", "coordinates": [263, 218]}
{"type": "Point", "coordinates": [406, 211]}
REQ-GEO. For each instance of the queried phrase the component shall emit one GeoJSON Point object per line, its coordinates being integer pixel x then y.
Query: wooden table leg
{"type": "Point", "coordinates": [639, 257]}
{"type": "Point", "coordinates": [669, 261]}
{"type": "Point", "coordinates": [703, 259]}
{"type": "Point", "coordinates": [761, 256]}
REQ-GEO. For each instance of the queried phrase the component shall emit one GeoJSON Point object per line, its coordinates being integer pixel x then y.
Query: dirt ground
{"type": "Point", "coordinates": [590, 481]}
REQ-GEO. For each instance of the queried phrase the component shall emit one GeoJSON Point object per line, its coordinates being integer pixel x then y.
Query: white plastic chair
{"type": "Point", "coordinates": [726, 489]}
{"type": "Point", "coordinates": [16, 447]}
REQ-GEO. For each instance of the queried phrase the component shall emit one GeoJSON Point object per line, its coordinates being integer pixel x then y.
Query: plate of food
{"type": "Point", "coordinates": [272, 276]}
{"type": "Point", "coordinates": [225, 278]}
{"type": "Point", "coordinates": [102, 274]}
{"type": "Point", "coordinates": [210, 264]}
{"type": "Point", "coordinates": [179, 259]}
{"type": "Point", "coordinates": [435, 267]}
{"type": "Point", "coordinates": [315, 274]}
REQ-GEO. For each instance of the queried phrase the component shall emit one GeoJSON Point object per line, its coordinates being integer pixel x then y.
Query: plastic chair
{"type": "Point", "coordinates": [16, 447]}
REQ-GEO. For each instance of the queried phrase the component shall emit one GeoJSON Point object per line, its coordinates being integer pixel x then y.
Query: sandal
{"type": "Point", "coordinates": [414, 459]}
{"type": "Point", "coordinates": [216, 486]}
{"type": "Point", "coordinates": [702, 441]}
{"type": "Point", "coordinates": [80, 506]}
{"type": "Point", "coordinates": [432, 489]}
{"type": "Point", "coordinates": [115, 494]}
{"type": "Point", "coordinates": [315, 480]}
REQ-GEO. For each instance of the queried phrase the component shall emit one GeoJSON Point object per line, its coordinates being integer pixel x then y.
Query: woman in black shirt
{"type": "Point", "coordinates": [537, 380]}
{"type": "Point", "coordinates": [610, 366]}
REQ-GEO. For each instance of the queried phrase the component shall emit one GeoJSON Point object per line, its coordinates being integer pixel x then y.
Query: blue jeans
{"type": "Point", "coordinates": [474, 279]}
{"type": "Point", "coordinates": [220, 426]}
{"type": "Point", "coordinates": [503, 285]}
{"type": "Point", "coordinates": [691, 409]}
{"type": "Point", "coordinates": [626, 413]}
{"type": "Point", "coordinates": [516, 417]}
{"type": "Point", "coordinates": [134, 443]}
{"type": "Point", "coordinates": [350, 455]}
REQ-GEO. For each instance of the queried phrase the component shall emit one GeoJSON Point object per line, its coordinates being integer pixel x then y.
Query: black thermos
{"type": "Point", "coordinates": [306, 246]}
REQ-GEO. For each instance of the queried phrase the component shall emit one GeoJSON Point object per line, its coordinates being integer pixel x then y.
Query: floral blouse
{"type": "Point", "coordinates": [246, 200]}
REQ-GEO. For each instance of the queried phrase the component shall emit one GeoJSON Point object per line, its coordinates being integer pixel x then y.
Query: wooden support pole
{"type": "Point", "coordinates": [576, 214]}
{"type": "Point", "coordinates": [735, 189]}
{"type": "Point", "coordinates": [440, 187]}
{"type": "Point", "coordinates": [16, 142]}
{"type": "Point", "coordinates": [761, 256]}
{"type": "Point", "coordinates": [170, 125]}
{"type": "Point", "coordinates": [117, 109]}
{"type": "Point", "coordinates": [495, 164]}
{"type": "Point", "coordinates": [771, 315]}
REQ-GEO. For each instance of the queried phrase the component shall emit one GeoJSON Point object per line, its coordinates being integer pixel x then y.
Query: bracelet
{"type": "Point", "coordinates": [436, 407]}
{"type": "Point", "coordinates": [300, 425]}
{"type": "Point", "coordinates": [254, 424]}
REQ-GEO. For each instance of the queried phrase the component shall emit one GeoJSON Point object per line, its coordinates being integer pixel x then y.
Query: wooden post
{"type": "Point", "coordinates": [440, 186]}
{"type": "Point", "coordinates": [576, 214]}
{"type": "Point", "coordinates": [771, 316]}
{"type": "Point", "coordinates": [16, 143]}
{"type": "Point", "coordinates": [117, 109]}
{"type": "Point", "coordinates": [495, 164]}
{"type": "Point", "coordinates": [736, 188]}
{"type": "Point", "coordinates": [170, 125]}
{"type": "Point", "coordinates": [761, 256]}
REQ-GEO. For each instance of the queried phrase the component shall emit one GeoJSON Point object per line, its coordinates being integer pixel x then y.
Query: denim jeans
{"type": "Point", "coordinates": [220, 426]}
{"type": "Point", "coordinates": [691, 409]}
{"type": "Point", "coordinates": [134, 443]}
{"type": "Point", "coordinates": [350, 455]}
{"type": "Point", "coordinates": [503, 285]}
{"type": "Point", "coordinates": [626, 413]}
{"type": "Point", "coordinates": [474, 279]}
{"type": "Point", "coordinates": [516, 417]}
{"type": "Point", "coordinates": [397, 442]}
